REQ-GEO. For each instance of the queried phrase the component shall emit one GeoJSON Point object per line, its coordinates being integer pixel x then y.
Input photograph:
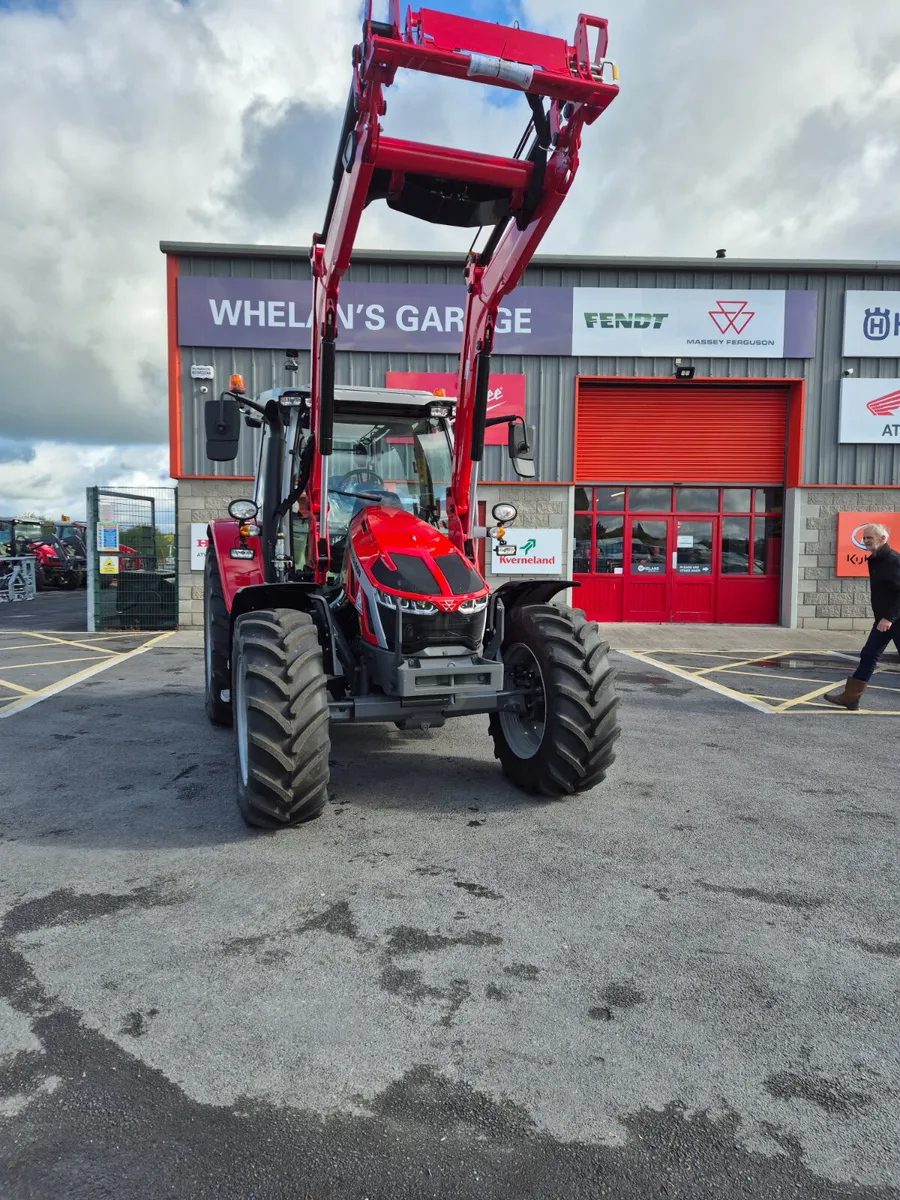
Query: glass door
{"type": "Point", "coordinates": [648, 568]}
{"type": "Point", "coordinates": [693, 585]}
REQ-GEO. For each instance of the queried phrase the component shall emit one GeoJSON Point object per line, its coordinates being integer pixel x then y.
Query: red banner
{"type": "Point", "coordinates": [506, 395]}
{"type": "Point", "coordinates": [852, 555]}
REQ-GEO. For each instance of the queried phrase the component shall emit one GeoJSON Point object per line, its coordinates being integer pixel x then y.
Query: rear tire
{"type": "Point", "coordinates": [280, 704]}
{"type": "Point", "coordinates": [72, 579]}
{"type": "Point", "coordinates": [216, 643]}
{"type": "Point", "coordinates": [564, 744]}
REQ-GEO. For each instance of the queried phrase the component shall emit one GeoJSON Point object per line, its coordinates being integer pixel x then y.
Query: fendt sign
{"type": "Point", "coordinates": [275, 314]}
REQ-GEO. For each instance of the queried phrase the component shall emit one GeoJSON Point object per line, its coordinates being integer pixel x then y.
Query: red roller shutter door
{"type": "Point", "coordinates": [680, 433]}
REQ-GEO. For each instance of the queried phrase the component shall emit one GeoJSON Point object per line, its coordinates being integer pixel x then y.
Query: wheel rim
{"type": "Point", "coordinates": [524, 731]}
{"type": "Point", "coordinates": [240, 721]}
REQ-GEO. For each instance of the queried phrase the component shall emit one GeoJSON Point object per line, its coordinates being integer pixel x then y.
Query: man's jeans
{"type": "Point", "coordinates": [873, 650]}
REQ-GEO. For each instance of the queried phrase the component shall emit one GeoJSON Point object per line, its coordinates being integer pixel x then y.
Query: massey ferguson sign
{"type": "Point", "coordinates": [870, 411]}
{"type": "Point", "coordinates": [274, 314]}
{"type": "Point", "coordinates": [684, 322]}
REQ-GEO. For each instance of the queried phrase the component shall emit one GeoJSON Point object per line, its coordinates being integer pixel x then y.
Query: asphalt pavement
{"type": "Point", "coordinates": [683, 984]}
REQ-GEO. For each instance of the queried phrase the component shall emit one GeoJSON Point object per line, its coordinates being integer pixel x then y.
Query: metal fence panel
{"type": "Point", "coordinates": [132, 558]}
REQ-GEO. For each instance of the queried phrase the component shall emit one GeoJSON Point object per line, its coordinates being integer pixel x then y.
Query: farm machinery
{"type": "Point", "coordinates": [56, 563]}
{"type": "Point", "coordinates": [347, 588]}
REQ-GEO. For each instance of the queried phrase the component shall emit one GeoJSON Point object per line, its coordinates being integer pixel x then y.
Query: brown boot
{"type": "Point", "coordinates": [849, 697]}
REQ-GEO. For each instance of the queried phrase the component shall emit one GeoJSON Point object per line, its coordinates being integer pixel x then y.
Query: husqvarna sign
{"type": "Point", "coordinates": [872, 324]}
{"type": "Point", "coordinates": [870, 411]}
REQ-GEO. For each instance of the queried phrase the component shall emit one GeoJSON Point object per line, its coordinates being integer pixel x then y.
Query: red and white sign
{"type": "Point", "coordinates": [870, 411]}
{"type": "Point", "coordinates": [852, 555]}
{"type": "Point", "coordinates": [199, 544]}
{"type": "Point", "coordinates": [506, 395]}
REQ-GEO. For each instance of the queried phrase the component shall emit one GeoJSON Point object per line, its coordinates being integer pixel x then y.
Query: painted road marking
{"type": "Point", "coordinates": [53, 689]}
{"type": "Point", "coordinates": [738, 667]}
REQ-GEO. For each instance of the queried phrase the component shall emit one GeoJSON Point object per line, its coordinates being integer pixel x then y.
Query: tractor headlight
{"type": "Point", "coordinates": [404, 603]}
{"type": "Point", "coordinates": [476, 605]}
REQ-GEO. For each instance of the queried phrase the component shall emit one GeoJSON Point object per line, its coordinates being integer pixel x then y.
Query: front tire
{"type": "Point", "coordinates": [564, 742]}
{"type": "Point", "coordinates": [216, 643]}
{"type": "Point", "coordinates": [280, 703]}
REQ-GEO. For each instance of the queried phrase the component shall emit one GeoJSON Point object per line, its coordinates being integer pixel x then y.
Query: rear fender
{"type": "Point", "coordinates": [516, 593]}
{"type": "Point", "coordinates": [306, 597]}
{"type": "Point", "coordinates": [235, 573]}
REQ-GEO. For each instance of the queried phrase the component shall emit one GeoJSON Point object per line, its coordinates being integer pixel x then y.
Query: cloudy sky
{"type": "Point", "coordinates": [769, 129]}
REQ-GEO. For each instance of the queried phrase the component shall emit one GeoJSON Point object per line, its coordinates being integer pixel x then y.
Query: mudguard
{"type": "Point", "coordinates": [514, 594]}
{"type": "Point", "coordinates": [235, 573]}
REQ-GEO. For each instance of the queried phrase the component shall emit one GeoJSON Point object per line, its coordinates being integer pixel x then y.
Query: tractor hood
{"type": "Point", "coordinates": [404, 556]}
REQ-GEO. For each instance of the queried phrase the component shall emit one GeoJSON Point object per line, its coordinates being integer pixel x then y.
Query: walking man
{"type": "Point", "coordinates": [884, 581]}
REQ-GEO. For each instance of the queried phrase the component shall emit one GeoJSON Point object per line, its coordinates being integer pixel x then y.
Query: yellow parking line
{"type": "Point", "coordinates": [805, 699]}
{"type": "Point", "coordinates": [53, 662]}
{"type": "Point", "coordinates": [741, 697]}
{"type": "Point", "coordinates": [79, 645]}
{"type": "Point", "coordinates": [54, 688]}
{"type": "Point", "coordinates": [15, 687]}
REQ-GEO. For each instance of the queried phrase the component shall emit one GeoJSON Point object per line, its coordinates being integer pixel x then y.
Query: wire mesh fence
{"type": "Point", "coordinates": [132, 549]}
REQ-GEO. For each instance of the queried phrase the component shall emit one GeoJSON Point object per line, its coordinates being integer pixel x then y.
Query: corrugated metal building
{"type": "Point", "coordinates": [710, 498]}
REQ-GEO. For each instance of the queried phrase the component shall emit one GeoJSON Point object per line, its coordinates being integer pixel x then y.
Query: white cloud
{"type": "Point", "coordinates": [768, 129]}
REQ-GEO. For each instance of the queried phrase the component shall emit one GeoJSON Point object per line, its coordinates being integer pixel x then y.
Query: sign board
{"type": "Point", "coordinates": [664, 323]}
{"type": "Point", "coordinates": [202, 372]}
{"type": "Point", "coordinates": [870, 411]}
{"type": "Point", "coordinates": [506, 396]}
{"type": "Point", "coordinates": [872, 324]}
{"type": "Point", "coordinates": [274, 314]}
{"type": "Point", "coordinates": [109, 564]}
{"type": "Point", "coordinates": [107, 538]}
{"type": "Point", "coordinates": [528, 552]}
{"type": "Point", "coordinates": [852, 555]}
{"type": "Point", "coordinates": [199, 543]}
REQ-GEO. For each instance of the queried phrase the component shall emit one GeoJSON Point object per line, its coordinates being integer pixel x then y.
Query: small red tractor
{"type": "Point", "coordinates": [347, 588]}
{"type": "Point", "coordinates": [55, 563]}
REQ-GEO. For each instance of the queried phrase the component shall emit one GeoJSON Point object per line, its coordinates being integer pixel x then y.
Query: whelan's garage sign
{"type": "Point", "coordinates": [274, 314]}
{"type": "Point", "coordinates": [528, 552]}
{"type": "Point", "coordinates": [852, 555]}
{"type": "Point", "coordinates": [870, 411]}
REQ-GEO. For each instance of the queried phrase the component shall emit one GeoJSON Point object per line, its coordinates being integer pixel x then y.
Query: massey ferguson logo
{"type": "Point", "coordinates": [884, 406]}
{"type": "Point", "coordinates": [445, 605]}
{"type": "Point", "coordinates": [732, 315]}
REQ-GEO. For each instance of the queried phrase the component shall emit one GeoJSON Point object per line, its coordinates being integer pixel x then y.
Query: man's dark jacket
{"type": "Point", "coordinates": [884, 577]}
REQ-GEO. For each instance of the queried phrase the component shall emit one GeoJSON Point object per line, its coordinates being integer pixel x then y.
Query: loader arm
{"type": "Point", "coordinates": [516, 197]}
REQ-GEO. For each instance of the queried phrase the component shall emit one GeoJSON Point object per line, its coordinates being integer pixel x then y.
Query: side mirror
{"type": "Point", "coordinates": [521, 448]}
{"type": "Point", "coordinates": [223, 429]}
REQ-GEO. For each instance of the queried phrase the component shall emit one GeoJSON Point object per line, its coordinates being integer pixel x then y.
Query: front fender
{"type": "Point", "coordinates": [235, 573]}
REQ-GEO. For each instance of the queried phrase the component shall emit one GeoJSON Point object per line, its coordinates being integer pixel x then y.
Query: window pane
{"type": "Point", "coordinates": [650, 499]}
{"type": "Point", "coordinates": [648, 548]}
{"type": "Point", "coordinates": [581, 558]}
{"type": "Point", "coordinates": [609, 499]}
{"type": "Point", "coordinates": [582, 499]}
{"type": "Point", "coordinates": [736, 499]}
{"type": "Point", "coordinates": [766, 545]}
{"type": "Point", "coordinates": [610, 544]}
{"type": "Point", "coordinates": [693, 548]}
{"type": "Point", "coordinates": [696, 499]}
{"type": "Point", "coordinates": [769, 499]}
{"type": "Point", "coordinates": [736, 546]}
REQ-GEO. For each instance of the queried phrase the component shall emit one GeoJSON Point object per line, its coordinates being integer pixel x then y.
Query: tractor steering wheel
{"type": "Point", "coordinates": [360, 475]}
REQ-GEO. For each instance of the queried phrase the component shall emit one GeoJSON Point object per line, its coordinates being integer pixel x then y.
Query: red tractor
{"type": "Point", "coordinates": [347, 588]}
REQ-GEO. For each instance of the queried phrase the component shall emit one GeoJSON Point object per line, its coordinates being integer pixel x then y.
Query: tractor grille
{"type": "Point", "coordinates": [433, 629]}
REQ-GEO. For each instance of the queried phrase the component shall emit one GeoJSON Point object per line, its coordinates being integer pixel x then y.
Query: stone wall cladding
{"type": "Point", "coordinates": [199, 501]}
{"type": "Point", "coordinates": [826, 601]}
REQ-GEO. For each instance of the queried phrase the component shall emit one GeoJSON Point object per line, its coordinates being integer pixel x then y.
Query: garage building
{"type": "Point", "coordinates": [710, 433]}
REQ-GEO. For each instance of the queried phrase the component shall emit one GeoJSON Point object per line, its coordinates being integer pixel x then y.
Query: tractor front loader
{"type": "Point", "coordinates": [347, 588]}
